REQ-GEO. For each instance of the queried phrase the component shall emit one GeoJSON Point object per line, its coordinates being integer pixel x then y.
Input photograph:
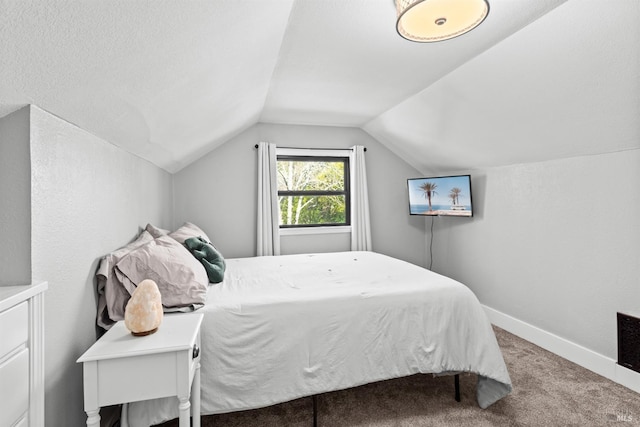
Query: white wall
{"type": "Point", "coordinates": [315, 243]}
{"type": "Point", "coordinates": [553, 244]}
{"type": "Point", "coordinates": [219, 191]}
{"type": "Point", "coordinates": [81, 197]}
{"type": "Point", "coordinates": [15, 197]}
{"type": "Point", "coordinates": [88, 198]}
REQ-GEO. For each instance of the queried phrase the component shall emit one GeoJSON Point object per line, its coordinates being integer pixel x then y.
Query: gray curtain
{"type": "Point", "coordinates": [268, 210]}
{"type": "Point", "coordinates": [360, 224]}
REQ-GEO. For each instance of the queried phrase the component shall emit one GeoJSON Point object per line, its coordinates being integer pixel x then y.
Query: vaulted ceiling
{"type": "Point", "coordinates": [171, 80]}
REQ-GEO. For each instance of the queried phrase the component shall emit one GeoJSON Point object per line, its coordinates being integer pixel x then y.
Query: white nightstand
{"type": "Point", "coordinates": [122, 368]}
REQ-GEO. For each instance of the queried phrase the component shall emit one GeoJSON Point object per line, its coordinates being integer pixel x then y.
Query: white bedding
{"type": "Point", "coordinates": [279, 328]}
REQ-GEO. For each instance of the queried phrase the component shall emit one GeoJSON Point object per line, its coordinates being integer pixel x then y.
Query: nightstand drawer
{"type": "Point", "coordinates": [14, 328]}
{"type": "Point", "coordinates": [14, 389]}
{"type": "Point", "coordinates": [139, 378]}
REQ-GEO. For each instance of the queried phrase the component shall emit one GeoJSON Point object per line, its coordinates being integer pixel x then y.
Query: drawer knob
{"type": "Point", "coordinates": [196, 351]}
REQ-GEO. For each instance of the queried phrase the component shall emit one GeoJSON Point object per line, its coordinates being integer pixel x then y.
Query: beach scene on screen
{"type": "Point", "coordinates": [445, 196]}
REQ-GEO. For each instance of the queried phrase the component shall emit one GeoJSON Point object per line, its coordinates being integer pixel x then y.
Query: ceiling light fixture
{"type": "Point", "coordinates": [436, 20]}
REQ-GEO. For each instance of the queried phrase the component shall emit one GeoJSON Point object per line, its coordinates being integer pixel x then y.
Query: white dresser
{"type": "Point", "coordinates": [22, 355]}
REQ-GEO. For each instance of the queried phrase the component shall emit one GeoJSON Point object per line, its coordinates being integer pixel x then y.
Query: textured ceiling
{"type": "Point", "coordinates": [171, 80]}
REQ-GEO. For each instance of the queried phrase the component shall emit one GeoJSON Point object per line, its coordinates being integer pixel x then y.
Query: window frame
{"type": "Point", "coordinates": [306, 155]}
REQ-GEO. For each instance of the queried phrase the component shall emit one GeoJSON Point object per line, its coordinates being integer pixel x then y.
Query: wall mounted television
{"type": "Point", "coordinates": [440, 196]}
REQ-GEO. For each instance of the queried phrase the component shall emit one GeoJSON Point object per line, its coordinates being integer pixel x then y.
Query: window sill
{"type": "Point", "coordinates": [315, 230]}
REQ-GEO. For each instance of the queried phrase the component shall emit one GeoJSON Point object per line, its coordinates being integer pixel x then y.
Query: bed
{"type": "Point", "coordinates": [280, 328]}
{"type": "Point", "coordinates": [284, 327]}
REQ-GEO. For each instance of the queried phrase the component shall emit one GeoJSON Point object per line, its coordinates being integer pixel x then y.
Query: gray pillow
{"type": "Point", "coordinates": [181, 279]}
{"type": "Point", "coordinates": [155, 231]}
{"type": "Point", "coordinates": [112, 293]}
{"type": "Point", "coordinates": [188, 230]}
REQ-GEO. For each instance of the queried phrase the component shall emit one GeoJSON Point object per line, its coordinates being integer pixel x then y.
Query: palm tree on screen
{"type": "Point", "coordinates": [454, 194]}
{"type": "Point", "coordinates": [429, 189]}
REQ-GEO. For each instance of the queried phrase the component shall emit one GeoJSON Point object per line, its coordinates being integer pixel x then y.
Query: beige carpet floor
{"type": "Point", "coordinates": [548, 391]}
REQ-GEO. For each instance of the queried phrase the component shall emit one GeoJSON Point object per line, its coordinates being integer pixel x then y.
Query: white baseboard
{"type": "Point", "coordinates": [564, 348]}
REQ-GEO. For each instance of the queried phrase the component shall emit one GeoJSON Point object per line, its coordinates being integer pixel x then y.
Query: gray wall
{"type": "Point", "coordinates": [554, 244]}
{"type": "Point", "coordinates": [15, 197]}
{"type": "Point", "coordinates": [88, 198]}
{"type": "Point", "coordinates": [219, 191]}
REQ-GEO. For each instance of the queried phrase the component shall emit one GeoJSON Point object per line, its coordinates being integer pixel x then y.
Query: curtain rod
{"type": "Point", "coordinates": [299, 148]}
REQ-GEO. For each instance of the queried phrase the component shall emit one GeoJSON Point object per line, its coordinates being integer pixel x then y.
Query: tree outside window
{"type": "Point", "coordinates": [313, 191]}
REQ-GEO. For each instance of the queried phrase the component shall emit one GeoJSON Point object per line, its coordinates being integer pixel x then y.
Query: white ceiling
{"type": "Point", "coordinates": [171, 80]}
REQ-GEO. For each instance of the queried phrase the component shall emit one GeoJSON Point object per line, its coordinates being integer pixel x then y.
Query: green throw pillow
{"type": "Point", "coordinates": [209, 256]}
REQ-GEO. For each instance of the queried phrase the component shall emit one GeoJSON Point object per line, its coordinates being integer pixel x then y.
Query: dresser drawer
{"type": "Point", "coordinates": [14, 388]}
{"type": "Point", "coordinates": [14, 328]}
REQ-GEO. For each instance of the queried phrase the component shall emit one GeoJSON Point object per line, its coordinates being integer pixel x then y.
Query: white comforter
{"type": "Point", "coordinates": [279, 328]}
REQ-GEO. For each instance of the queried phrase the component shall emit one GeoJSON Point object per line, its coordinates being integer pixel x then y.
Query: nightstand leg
{"type": "Point", "coordinates": [91, 405]}
{"type": "Point", "coordinates": [195, 397]}
{"type": "Point", "coordinates": [183, 409]}
{"type": "Point", "coordinates": [93, 418]}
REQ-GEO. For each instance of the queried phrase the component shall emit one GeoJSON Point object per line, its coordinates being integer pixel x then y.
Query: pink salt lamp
{"type": "Point", "coordinates": [143, 313]}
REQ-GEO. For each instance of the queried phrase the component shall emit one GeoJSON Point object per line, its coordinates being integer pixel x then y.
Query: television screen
{"type": "Point", "coordinates": [440, 196]}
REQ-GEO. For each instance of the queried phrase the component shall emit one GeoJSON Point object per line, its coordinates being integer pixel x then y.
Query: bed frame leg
{"type": "Point", "coordinates": [315, 411]}
{"type": "Point", "coordinates": [456, 383]}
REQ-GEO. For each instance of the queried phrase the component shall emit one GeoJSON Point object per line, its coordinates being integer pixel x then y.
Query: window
{"type": "Point", "coordinates": [313, 190]}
